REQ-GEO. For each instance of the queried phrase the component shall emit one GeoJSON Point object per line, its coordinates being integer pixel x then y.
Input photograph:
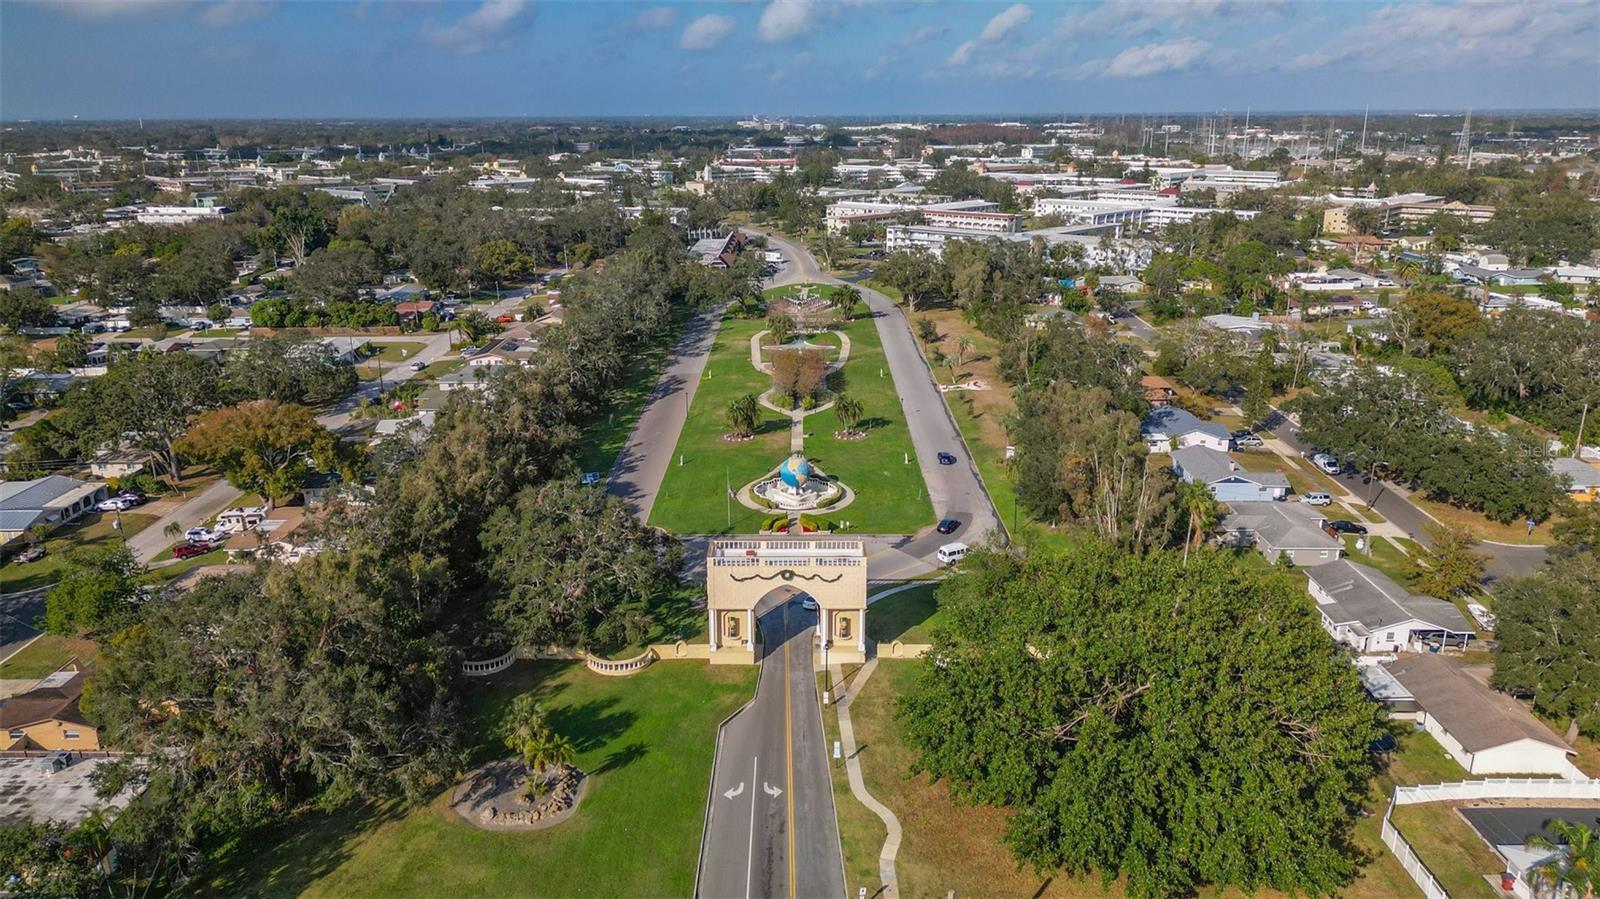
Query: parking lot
{"type": "Point", "coordinates": [27, 793]}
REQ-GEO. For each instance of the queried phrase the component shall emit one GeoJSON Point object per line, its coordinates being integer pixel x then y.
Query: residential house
{"type": "Point", "coordinates": [1158, 391]}
{"type": "Point", "coordinates": [1485, 730]}
{"type": "Point", "coordinates": [1248, 325]}
{"type": "Point", "coordinates": [1227, 481]}
{"type": "Point", "coordinates": [1170, 427]}
{"type": "Point", "coordinates": [47, 717]}
{"type": "Point", "coordinates": [52, 500]}
{"type": "Point", "coordinates": [1581, 478]}
{"type": "Point", "coordinates": [504, 352]}
{"type": "Point", "coordinates": [1364, 609]}
{"type": "Point", "coordinates": [1291, 530]}
{"type": "Point", "coordinates": [473, 377]}
{"type": "Point", "coordinates": [280, 535]}
{"type": "Point", "coordinates": [414, 310]}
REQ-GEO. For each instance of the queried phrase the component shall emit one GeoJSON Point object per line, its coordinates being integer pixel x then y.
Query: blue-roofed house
{"type": "Point", "coordinates": [1170, 428]}
{"type": "Point", "coordinates": [51, 500]}
{"type": "Point", "coordinates": [1227, 480]}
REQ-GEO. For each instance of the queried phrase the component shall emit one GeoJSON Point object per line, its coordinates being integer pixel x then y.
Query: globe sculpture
{"type": "Point", "coordinates": [795, 471]}
{"type": "Point", "coordinates": [796, 486]}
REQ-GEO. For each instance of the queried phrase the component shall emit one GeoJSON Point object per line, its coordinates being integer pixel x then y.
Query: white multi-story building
{"type": "Point", "coordinates": [179, 215]}
{"type": "Point", "coordinates": [972, 215]}
{"type": "Point", "coordinates": [1115, 254]}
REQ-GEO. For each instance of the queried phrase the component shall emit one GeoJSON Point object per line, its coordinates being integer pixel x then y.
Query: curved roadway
{"type": "Point", "coordinates": [956, 491]}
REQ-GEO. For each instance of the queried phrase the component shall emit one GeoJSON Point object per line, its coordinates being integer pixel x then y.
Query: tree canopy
{"type": "Point", "coordinates": [1177, 725]}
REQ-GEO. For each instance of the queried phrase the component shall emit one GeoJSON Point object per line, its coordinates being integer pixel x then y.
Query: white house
{"type": "Point", "coordinates": [1366, 610]}
{"type": "Point", "coordinates": [1168, 426]}
{"type": "Point", "coordinates": [1486, 731]}
{"type": "Point", "coordinates": [52, 500]}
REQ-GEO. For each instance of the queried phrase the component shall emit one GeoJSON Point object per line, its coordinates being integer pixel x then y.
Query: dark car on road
{"type": "Point", "coordinates": [948, 526]}
{"type": "Point", "coordinates": [1346, 527]}
{"type": "Point", "coordinates": [947, 458]}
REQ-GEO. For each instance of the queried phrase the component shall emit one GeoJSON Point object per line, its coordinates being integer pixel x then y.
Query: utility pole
{"type": "Point", "coordinates": [1577, 445]}
{"type": "Point", "coordinates": [1364, 114]}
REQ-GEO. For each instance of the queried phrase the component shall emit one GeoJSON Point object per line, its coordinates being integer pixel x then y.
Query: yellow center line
{"type": "Point", "coordinates": [788, 749]}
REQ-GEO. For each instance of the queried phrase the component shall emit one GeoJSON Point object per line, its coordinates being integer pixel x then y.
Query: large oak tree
{"type": "Point", "coordinates": [1179, 726]}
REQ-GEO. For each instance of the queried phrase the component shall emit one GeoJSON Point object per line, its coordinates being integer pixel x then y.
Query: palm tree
{"type": "Point", "coordinates": [173, 530]}
{"type": "Point", "coordinates": [940, 360]}
{"type": "Point", "coordinates": [1196, 499]}
{"type": "Point", "coordinates": [523, 726]}
{"type": "Point", "coordinates": [743, 414]}
{"type": "Point", "coordinates": [781, 327]}
{"type": "Point", "coordinates": [845, 301]}
{"type": "Point", "coordinates": [848, 410]}
{"type": "Point", "coordinates": [1577, 866]}
{"type": "Point", "coordinates": [548, 750]}
{"type": "Point", "coordinates": [963, 347]}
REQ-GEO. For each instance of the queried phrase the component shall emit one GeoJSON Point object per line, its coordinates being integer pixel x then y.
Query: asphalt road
{"type": "Point", "coordinates": [956, 491]}
{"type": "Point", "coordinates": [770, 829]}
{"type": "Point", "coordinates": [641, 466]}
{"type": "Point", "coordinates": [150, 542]}
{"type": "Point", "coordinates": [1504, 559]}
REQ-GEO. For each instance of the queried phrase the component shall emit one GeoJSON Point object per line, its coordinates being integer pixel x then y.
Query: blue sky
{"type": "Point", "coordinates": [299, 58]}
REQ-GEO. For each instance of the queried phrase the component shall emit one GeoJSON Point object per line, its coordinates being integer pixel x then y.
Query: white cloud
{"type": "Point", "coordinates": [1436, 36]}
{"type": "Point", "coordinates": [706, 32]}
{"type": "Point", "coordinates": [1001, 24]}
{"type": "Point", "coordinates": [1139, 18]}
{"type": "Point", "coordinates": [487, 26]}
{"type": "Point", "coordinates": [1155, 59]}
{"type": "Point", "coordinates": [922, 35]}
{"type": "Point", "coordinates": [785, 20]}
{"type": "Point", "coordinates": [1005, 22]}
{"type": "Point", "coordinates": [229, 13]}
{"type": "Point", "coordinates": [108, 9]}
{"type": "Point", "coordinates": [655, 18]}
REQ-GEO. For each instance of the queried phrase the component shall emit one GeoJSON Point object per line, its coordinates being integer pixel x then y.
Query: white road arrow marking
{"type": "Point", "coordinates": [735, 791]}
{"type": "Point", "coordinates": [771, 790]}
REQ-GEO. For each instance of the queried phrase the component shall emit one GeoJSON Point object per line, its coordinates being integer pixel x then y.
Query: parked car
{"type": "Point", "coordinates": [56, 761]}
{"type": "Point", "coordinates": [1248, 441]}
{"type": "Point", "coordinates": [138, 498]}
{"type": "Point", "coordinates": [1327, 463]}
{"type": "Point", "coordinates": [190, 550]}
{"type": "Point", "coordinates": [590, 478]}
{"type": "Point", "coordinates": [1344, 526]}
{"type": "Point", "coordinates": [116, 504]}
{"type": "Point", "coordinates": [947, 458]}
{"type": "Point", "coordinates": [417, 366]}
{"type": "Point", "coordinates": [948, 526]}
{"type": "Point", "coordinates": [1317, 499]}
{"type": "Point", "coordinates": [32, 554]}
{"type": "Point", "coordinates": [202, 535]}
{"type": "Point", "coordinates": [807, 603]}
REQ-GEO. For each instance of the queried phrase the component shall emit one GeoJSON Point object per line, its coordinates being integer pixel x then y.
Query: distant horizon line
{"type": "Point", "coordinates": [868, 118]}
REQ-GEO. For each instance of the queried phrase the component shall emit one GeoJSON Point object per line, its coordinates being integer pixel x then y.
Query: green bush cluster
{"type": "Point", "coordinates": [773, 522]}
{"type": "Point", "coordinates": [818, 524]}
{"type": "Point", "coordinates": [762, 501]}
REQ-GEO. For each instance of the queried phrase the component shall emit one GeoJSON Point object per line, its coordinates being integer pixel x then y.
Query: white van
{"type": "Point", "coordinates": [951, 553]}
{"type": "Point", "coordinates": [1317, 499]}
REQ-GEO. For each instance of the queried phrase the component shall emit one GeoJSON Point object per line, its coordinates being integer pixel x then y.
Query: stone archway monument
{"type": "Point", "coordinates": [741, 571]}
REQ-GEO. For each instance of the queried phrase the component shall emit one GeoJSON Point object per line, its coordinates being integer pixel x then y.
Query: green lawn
{"type": "Point", "coordinates": [646, 740]}
{"type": "Point", "coordinates": [891, 497]}
{"type": "Point", "coordinates": [908, 616]}
{"type": "Point", "coordinates": [45, 655]}
{"type": "Point", "coordinates": [93, 529]}
{"type": "Point", "coordinates": [439, 369]}
{"type": "Point", "coordinates": [1450, 848]}
{"type": "Point", "coordinates": [398, 351]}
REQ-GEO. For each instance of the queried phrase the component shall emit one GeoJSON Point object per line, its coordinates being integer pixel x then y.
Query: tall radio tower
{"type": "Point", "coordinates": [1464, 147]}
